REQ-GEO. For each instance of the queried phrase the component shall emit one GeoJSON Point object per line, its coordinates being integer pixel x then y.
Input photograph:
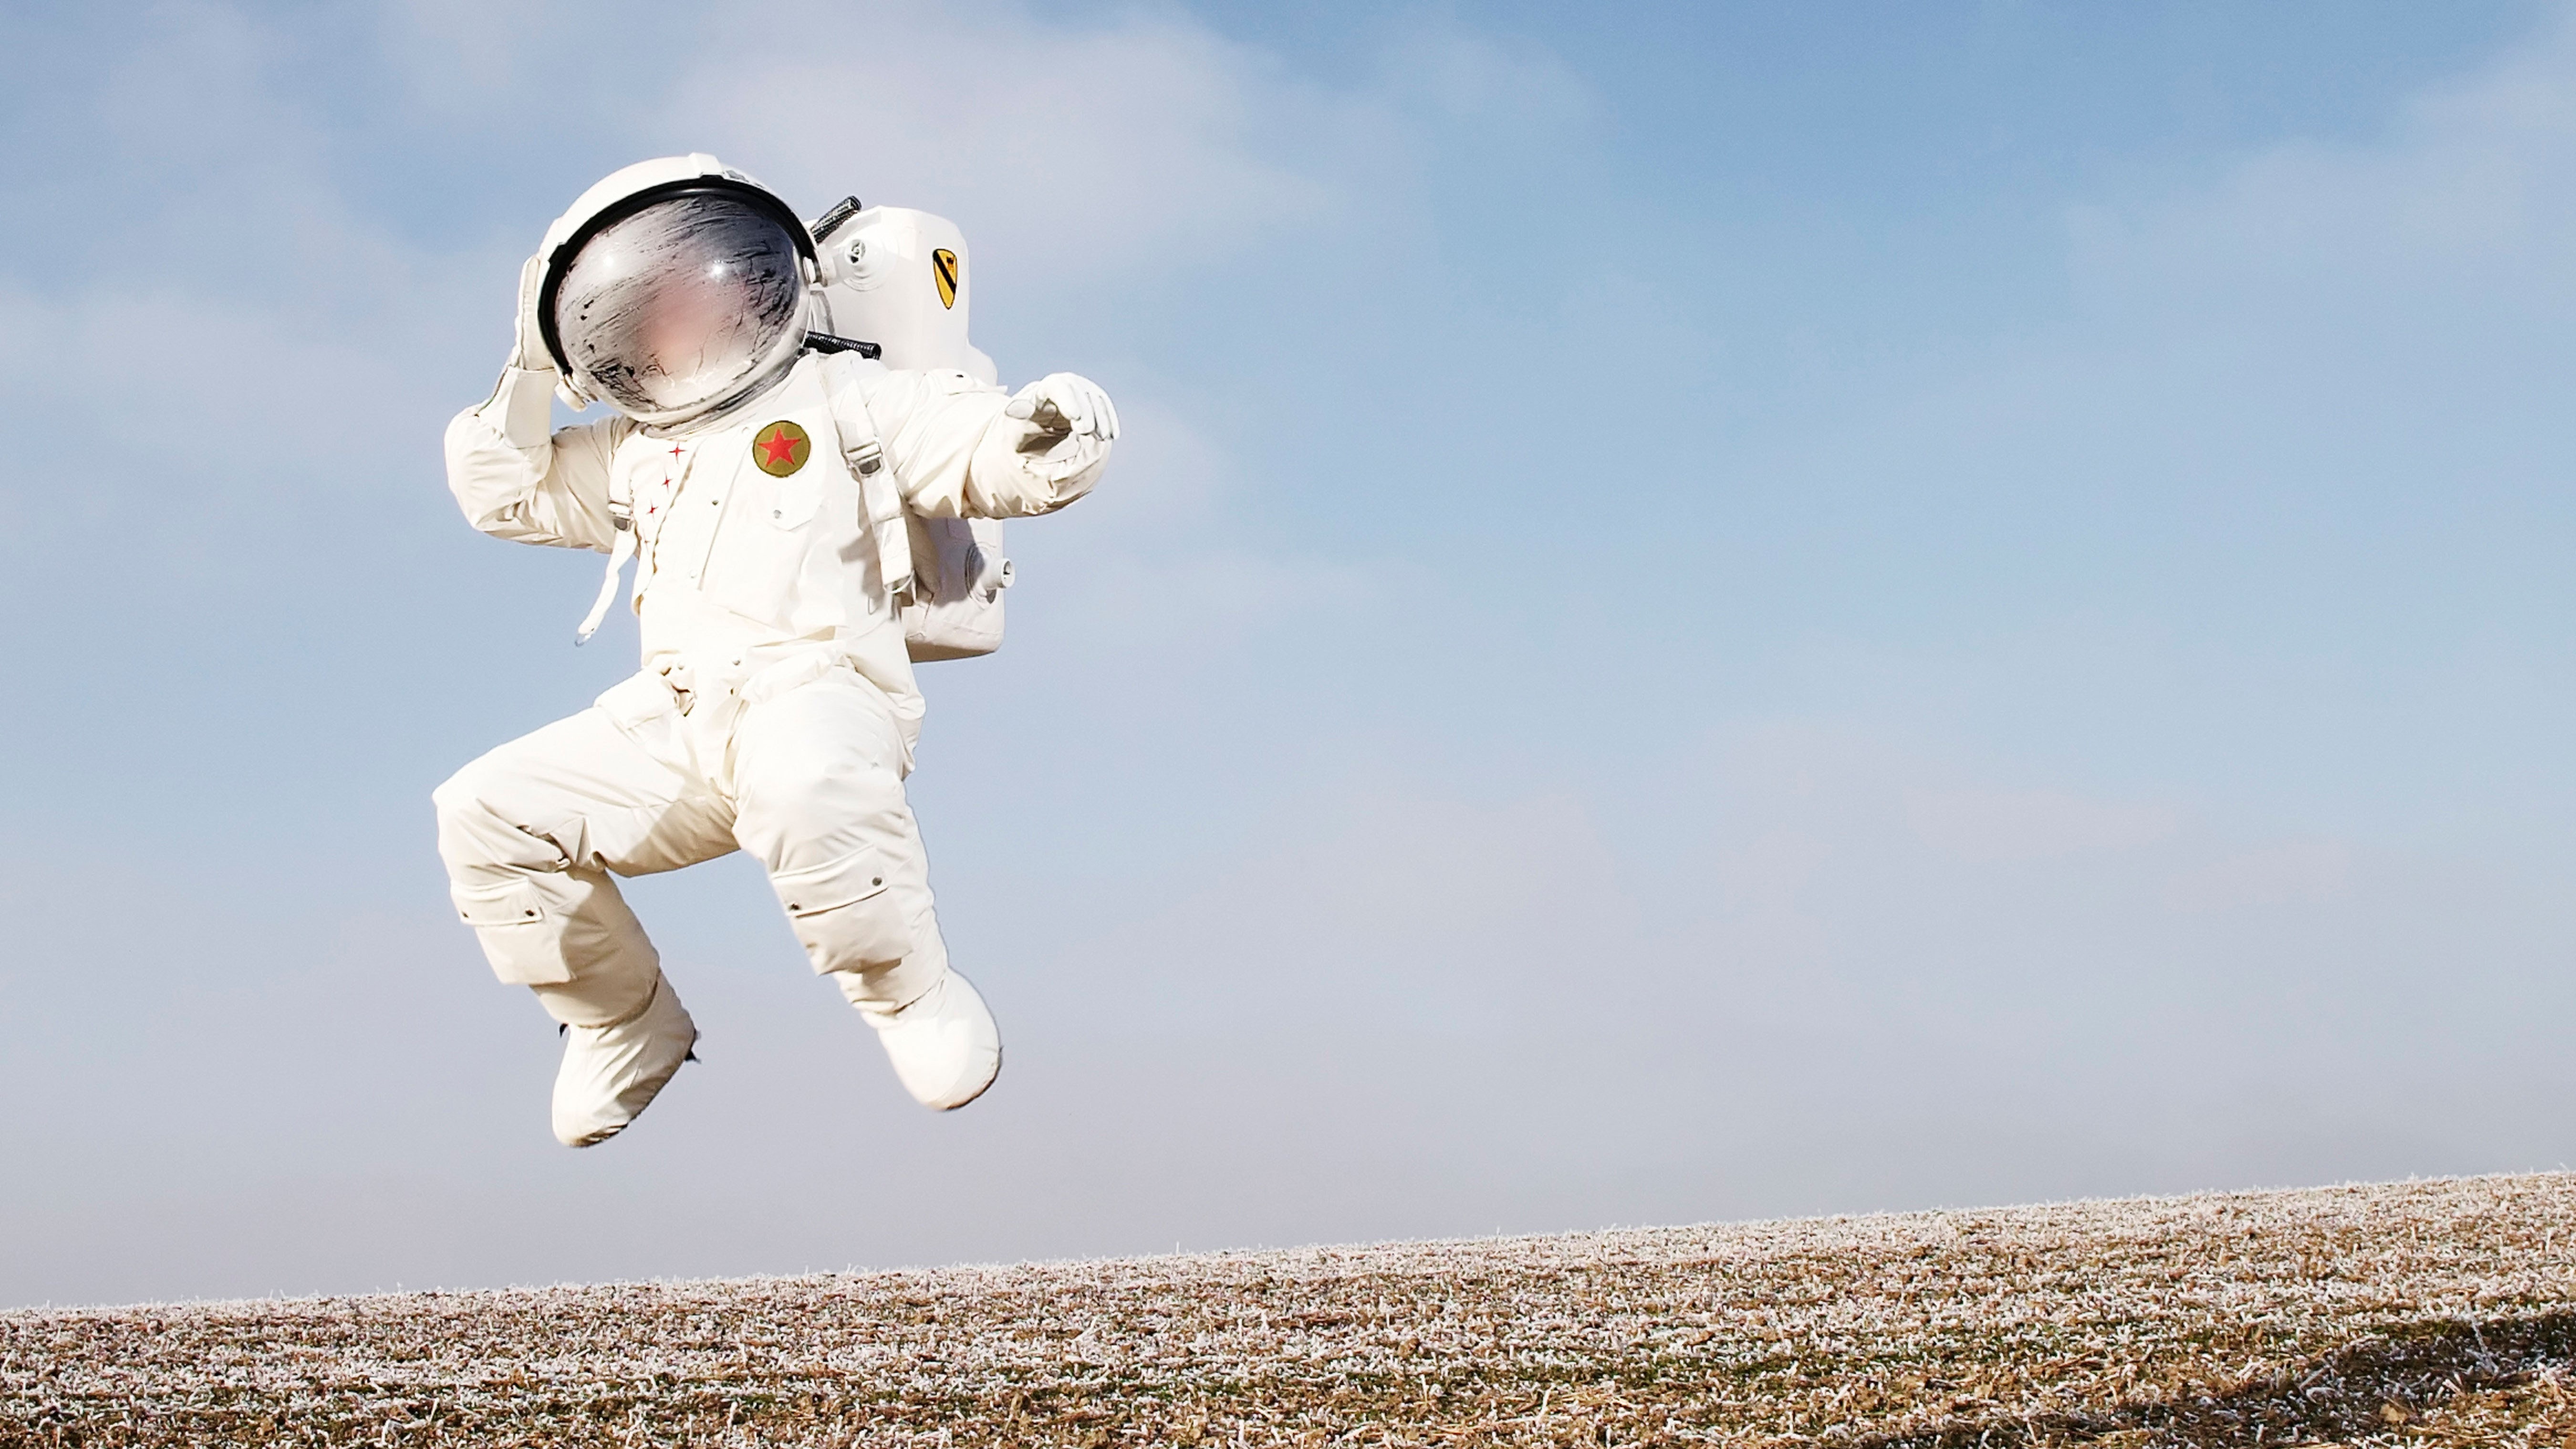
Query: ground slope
{"type": "Point", "coordinates": [2425, 1312]}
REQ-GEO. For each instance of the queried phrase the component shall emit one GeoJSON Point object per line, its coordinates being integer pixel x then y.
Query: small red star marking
{"type": "Point", "coordinates": [675, 452]}
{"type": "Point", "coordinates": [778, 447]}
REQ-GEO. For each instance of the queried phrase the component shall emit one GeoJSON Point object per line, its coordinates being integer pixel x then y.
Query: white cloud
{"type": "Point", "coordinates": [2473, 187]}
{"type": "Point", "coordinates": [2002, 825]}
{"type": "Point", "coordinates": [2298, 872]}
{"type": "Point", "coordinates": [1486, 80]}
{"type": "Point", "coordinates": [1143, 145]}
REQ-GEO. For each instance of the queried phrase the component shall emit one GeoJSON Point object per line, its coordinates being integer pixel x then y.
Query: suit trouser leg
{"type": "Point", "coordinates": [531, 832]}
{"type": "Point", "coordinates": [817, 781]}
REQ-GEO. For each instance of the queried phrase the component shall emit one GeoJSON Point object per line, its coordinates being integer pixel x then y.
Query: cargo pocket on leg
{"type": "Point", "coordinates": [844, 914]}
{"type": "Point", "coordinates": [519, 933]}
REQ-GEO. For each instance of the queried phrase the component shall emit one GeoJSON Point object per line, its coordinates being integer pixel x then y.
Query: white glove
{"type": "Point", "coordinates": [1052, 438]}
{"type": "Point", "coordinates": [1064, 405]}
{"type": "Point", "coordinates": [529, 354]}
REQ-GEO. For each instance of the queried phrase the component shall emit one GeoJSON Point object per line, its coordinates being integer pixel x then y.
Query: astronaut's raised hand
{"type": "Point", "coordinates": [520, 408]}
{"type": "Point", "coordinates": [528, 351]}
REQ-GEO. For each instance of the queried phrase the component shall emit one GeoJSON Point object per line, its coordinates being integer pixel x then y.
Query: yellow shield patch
{"type": "Point", "coordinates": [943, 270]}
{"type": "Point", "coordinates": [781, 448]}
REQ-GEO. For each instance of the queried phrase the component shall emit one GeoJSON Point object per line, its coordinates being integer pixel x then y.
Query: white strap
{"type": "Point", "coordinates": [878, 495]}
{"type": "Point", "coordinates": [884, 503]}
{"type": "Point", "coordinates": [621, 511]}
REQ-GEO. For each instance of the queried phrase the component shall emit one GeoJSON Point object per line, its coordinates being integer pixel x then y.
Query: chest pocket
{"type": "Point", "coordinates": [794, 499]}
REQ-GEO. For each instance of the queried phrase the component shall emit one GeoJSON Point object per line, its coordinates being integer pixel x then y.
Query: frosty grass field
{"type": "Point", "coordinates": [2415, 1313]}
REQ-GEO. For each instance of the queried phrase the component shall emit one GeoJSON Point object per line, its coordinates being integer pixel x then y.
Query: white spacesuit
{"type": "Point", "coordinates": [760, 487]}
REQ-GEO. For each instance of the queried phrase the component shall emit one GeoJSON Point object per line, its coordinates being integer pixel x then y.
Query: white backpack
{"type": "Point", "coordinates": [895, 286]}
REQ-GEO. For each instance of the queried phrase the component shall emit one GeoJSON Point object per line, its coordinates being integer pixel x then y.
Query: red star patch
{"type": "Point", "coordinates": [780, 449]}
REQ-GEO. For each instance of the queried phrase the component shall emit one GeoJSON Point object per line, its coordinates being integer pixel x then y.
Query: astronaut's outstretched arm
{"type": "Point", "coordinates": [513, 475]}
{"type": "Point", "coordinates": [961, 450]}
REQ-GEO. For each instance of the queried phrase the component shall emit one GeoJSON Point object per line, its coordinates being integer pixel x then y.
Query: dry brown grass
{"type": "Point", "coordinates": [2415, 1313]}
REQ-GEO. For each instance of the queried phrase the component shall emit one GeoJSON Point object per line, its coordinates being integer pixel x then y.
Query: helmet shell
{"type": "Point", "coordinates": [678, 247]}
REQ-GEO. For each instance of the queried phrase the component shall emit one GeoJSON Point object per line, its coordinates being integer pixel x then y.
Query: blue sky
{"type": "Point", "coordinates": [1707, 612]}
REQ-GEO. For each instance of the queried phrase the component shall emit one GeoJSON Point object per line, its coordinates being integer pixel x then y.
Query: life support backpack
{"type": "Point", "coordinates": [894, 284]}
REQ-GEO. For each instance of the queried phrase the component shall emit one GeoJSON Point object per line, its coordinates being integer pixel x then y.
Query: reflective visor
{"type": "Point", "coordinates": [681, 306]}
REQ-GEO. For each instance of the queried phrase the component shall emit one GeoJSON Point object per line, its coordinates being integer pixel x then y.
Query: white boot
{"type": "Point", "coordinates": [944, 1045]}
{"type": "Point", "coordinates": [611, 1073]}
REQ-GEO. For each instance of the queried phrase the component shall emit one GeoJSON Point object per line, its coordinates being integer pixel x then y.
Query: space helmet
{"type": "Point", "coordinates": [675, 288]}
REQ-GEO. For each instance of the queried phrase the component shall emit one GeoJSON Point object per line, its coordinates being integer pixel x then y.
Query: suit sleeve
{"type": "Point", "coordinates": [956, 456]}
{"type": "Point", "coordinates": [515, 480]}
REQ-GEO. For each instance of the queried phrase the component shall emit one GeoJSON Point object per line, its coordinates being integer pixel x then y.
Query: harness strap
{"type": "Point", "coordinates": [621, 511]}
{"type": "Point", "coordinates": [878, 495]}
{"type": "Point", "coordinates": [884, 503]}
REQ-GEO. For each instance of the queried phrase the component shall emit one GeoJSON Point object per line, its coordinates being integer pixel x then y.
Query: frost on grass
{"type": "Point", "coordinates": [2414, 1313]}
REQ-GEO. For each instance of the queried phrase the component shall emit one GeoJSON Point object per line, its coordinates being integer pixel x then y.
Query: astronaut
{"type": "Point", "coordinates": [760, 486]}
